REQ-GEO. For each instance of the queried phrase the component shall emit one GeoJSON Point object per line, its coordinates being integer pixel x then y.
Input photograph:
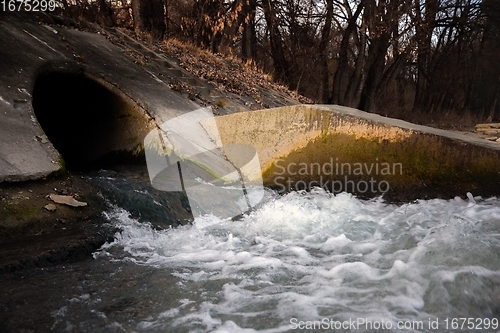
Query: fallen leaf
{"type": "Point", "coordinates": [50, 207]}
{"type": "Point", "coordinates": [67, 200]}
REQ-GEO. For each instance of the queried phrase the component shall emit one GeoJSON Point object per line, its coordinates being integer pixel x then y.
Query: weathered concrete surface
{"type": "Point", "coordinates": [356, 147]}
{"type": "Point", "coordinates": [28, 49]}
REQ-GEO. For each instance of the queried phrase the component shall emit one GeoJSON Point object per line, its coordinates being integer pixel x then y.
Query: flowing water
{"type": "Point", "coordinates": [300, 262]}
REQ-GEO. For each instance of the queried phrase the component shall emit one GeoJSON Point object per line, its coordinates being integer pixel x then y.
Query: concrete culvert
{"type": "Point", "coordinates": [89, 124]}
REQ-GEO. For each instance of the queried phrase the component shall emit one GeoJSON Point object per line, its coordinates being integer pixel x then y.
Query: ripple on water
{"type": "Point", "coordinates": [313, 256]}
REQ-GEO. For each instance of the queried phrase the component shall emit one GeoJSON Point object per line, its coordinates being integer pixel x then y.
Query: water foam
{"type": "Point", "coordinates": [311, 256]}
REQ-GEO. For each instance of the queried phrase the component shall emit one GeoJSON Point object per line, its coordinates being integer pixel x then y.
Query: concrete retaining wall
{"type": "Point", "coordinates": [344, 149]}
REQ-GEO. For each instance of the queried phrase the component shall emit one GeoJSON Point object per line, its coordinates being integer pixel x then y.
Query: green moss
{"type": "Point", "coordinates": [14, 212]}
{"type": "Point", "coordinates": [220, 103]}
{"type": "Point", "coordinates": [62, 163]}
{"type": "Point", "coordinates": [429, 163]}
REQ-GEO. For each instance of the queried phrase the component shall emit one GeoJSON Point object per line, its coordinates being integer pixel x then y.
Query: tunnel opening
{"type": "Point", "coordinates": [89, 124]}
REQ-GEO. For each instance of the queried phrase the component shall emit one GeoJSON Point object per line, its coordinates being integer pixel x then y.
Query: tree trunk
{"type": "Point", "coordinates": [340, 80]}
{"type": "Point", "coordinates": [105, 14]}
{"type": "Point", "coordinates": [356, 83]}
{"type": "Point", "coordinates": [249, 37]}
{"type": "Point", "coordinates": [424, 25]}
{"type": "Point", "coordinates": [149, 17]}
{"type": "Point", "coordinates": [241, 15]}
{"type": "Point", "coordinates": [325, 37]}
{"type": "Point", "coordinates": [380, 23]}
{"type": "Point", "coordinates": [277, 50]}
{"type": "Point", "coordinates": [376, 64]}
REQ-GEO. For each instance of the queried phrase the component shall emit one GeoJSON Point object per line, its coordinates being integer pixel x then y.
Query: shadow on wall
{"type": "Point", "coordinates": [90, 125]}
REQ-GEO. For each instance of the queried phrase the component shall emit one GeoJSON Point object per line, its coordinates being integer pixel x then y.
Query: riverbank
{"type": "Point", "coordinates": [33, 236]}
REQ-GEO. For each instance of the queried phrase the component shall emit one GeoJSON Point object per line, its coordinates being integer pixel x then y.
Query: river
{"type": "Point", "coordinates": [300, 262]}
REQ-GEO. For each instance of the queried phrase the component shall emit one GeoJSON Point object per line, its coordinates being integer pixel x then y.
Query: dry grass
{"type": "Point", "coordinates": [227, 73]}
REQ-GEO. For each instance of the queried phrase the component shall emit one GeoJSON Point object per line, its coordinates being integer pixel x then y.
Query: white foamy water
{"type": "Point", "coordinates": [317, 259]}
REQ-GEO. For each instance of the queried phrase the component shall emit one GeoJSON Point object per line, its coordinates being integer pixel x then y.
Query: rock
{"type": "Point", "coordinates": [493, 138]}
{"type": "Point", "coordinates": [497, 140]}
{"type": "Point", "coordinates": [50, 207]}
{"type": "Point", "coordinates": [480, 127]}
{"type": "Point", "coordinates": [492, 132]}
{"type": "Point", "coordinates": [42, 138]}
{"type": "Point", "coordinates": [67, 200]}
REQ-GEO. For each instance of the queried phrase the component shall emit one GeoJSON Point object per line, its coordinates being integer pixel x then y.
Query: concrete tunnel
{"type": "Point", "coordinates": [90, 123]}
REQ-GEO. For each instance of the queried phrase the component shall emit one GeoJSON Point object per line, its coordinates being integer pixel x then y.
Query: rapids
{"type": "Point", "coordinates": [301, 262]}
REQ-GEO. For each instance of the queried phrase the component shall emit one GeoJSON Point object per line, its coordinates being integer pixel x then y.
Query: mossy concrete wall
{"type": "Point", "coordinates": [343, 149]}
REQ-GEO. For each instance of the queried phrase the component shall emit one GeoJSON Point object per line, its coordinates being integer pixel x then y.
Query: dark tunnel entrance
{"type": "Point", "coordinates": [87, 123]}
